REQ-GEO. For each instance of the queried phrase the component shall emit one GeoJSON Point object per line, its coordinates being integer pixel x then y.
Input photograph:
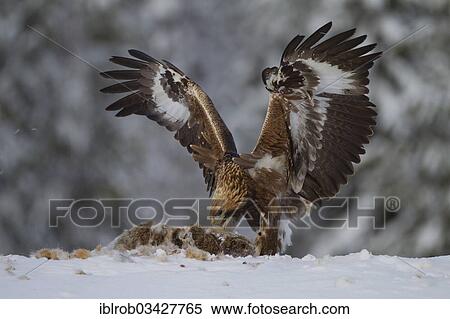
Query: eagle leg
{"type": "Point", "coordinates": [267, 241]}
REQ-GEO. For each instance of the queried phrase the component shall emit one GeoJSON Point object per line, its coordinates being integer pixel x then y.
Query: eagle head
{"type": "Point", "coordinates": [269, 77]}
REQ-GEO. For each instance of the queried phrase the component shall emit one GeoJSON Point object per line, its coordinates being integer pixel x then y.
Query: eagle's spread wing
{"type": "Point", "coordinates": [320, 88]}
{"type": "Point", "coordinates": [164, 94]}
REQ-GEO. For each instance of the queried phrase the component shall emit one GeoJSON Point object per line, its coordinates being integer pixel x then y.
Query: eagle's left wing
{"type": "Point", "coordinates": [164, 94]}
{"type": "Point", "coordinates": [319, 115]}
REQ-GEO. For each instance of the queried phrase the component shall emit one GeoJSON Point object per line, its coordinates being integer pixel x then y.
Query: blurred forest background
{"type": "Point", "coordinates": [56, 140]}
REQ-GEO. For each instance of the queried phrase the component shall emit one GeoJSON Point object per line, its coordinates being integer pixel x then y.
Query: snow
{"type": "Point", "coordinates": [127, 275]}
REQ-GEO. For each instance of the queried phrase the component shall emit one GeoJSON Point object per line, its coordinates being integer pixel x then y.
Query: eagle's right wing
{"type": "Point", "coordinates": [319, 115]}
{"type": "Point", "coordinates": [164, 94]}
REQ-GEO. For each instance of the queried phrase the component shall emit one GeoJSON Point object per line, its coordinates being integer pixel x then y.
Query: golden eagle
{"type": "Point", "coordinates": [318, 119]}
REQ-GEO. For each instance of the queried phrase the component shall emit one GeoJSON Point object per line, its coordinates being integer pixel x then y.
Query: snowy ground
{"type": "Point", "coordinates": [115, 275]}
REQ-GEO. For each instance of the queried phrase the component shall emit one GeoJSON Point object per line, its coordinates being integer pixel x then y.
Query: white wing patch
{"type": "Point", "coordinates": [273, 163]}
{"type": "Point", "coordinates": [332, 78]}
{"type": "Point", "coordinates": [277, 164]}
{"type": "Point", "coordinates": [306, 126]}
{"type": "Point", "coordinates": [171, 110]}
{"type": "Point", "coordinates": [297, 126]}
